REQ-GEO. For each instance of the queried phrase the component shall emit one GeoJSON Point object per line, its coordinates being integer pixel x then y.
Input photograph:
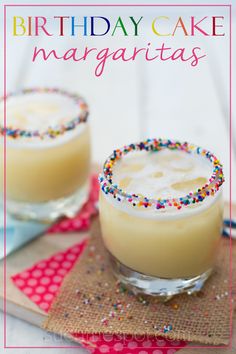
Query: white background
{"type": "Point", "coordinates": [132, 101]}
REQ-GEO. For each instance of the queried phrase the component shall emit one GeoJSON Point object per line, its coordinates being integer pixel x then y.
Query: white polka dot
{"type": "Point", "coordinates": [37, 273]}
{"type": "Point", "coordinates": [118, 347]}
{"type": "Point", "coordinates": [27, 291]}
{"type": "Point", "coordinates": [40, 290]}
{"type": "Point", "coordinates": [45, 280]}
{"type": "Point", "coordinates": [20, 282]}
{"type": "Point", "coordinates": [35, 298]}
{"type": "Point", "coordinates": [104, 348]}
{"type": "Point", "coordinates": [48, 297]}
{"type": "Point", "coordinates": [107, 337]}
{"type": "Point", "coordinates": [44, 305]}
{"type": "Point", "coordinates": [66, 264]}
{"type": "Point", "coordinates": [143, 352]}
{"type": "Point", "coordinates": [147, 344]}
{"type": "Point", "coordinates": [32, 282]}
{"type": "Point", "coordinates": [157, 351]}
{"type": "Point", "coordinates": [75, 250]}
{"type": "Point", "coordinates": [62, 271]}
{"type": "Point", "coordinates": [57, 279]}
{"type": "Point", "coordinates": [53, 288]}
{"type": "Point", "coordinates": [42, 265]}
{"type": "Point", "coordinates": [24, 275]}
{"type": "Point", "coordinates": [132, 345]}
{"type": "Point", "coordinates": [59, 257]}
{"type": "Point", "coordinates": [71, 257]}
{"type": "Point", "coordinates": [160, 342]}
{"type": "Point", "coordinates": [54, 264]}
{"type": "Point", "coordinates": [171, 351]}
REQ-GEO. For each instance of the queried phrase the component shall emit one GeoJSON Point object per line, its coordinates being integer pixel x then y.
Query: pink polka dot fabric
{"type": "Point", "coordinates": [81, 221]}
{"type": "Point", "coordinates": [41, 283]}
{"type": "Point", "coordinates": [104, 343]}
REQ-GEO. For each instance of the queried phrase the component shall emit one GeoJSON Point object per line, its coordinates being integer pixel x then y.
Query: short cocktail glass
{"type": "Point", "coordinates": [161, 215]}
{"type": "Point", "coordinates": [47, 153]}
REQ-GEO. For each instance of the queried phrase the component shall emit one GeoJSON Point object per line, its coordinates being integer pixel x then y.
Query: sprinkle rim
{"type": "Point", "coordinates": [209, 189]}
{"type": "Point", "coordinates": [50, 132]}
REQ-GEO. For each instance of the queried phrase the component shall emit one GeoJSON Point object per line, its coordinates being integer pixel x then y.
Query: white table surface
{"type": "Point", "coordinates": [152, 109]}
{"type": "Point", "coordinates": [22, 334]}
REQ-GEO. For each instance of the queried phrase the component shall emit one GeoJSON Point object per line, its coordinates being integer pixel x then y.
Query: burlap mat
{"type": "Point", "coordinates": [91, 301]}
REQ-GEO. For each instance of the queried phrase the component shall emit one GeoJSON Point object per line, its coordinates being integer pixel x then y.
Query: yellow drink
{"type": "Point", "coordinates": [46, 174]}
{"type": "Point", "coordinates": [166, 243]}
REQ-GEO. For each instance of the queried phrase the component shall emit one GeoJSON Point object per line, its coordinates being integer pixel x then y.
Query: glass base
{"type": "Point", "coordinates": [49, 211]}
{"type": "Point", "coordinates": [149, 285]}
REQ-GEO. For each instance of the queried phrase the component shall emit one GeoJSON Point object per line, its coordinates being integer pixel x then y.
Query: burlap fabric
{"type": "Point", "coordinates": [91, 301]}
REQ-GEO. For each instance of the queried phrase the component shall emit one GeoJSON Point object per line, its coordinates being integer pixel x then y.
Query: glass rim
{"type": "Point", "coordinates": [52, 131]}
{"type": "Point", "coordinates": [212, 186]}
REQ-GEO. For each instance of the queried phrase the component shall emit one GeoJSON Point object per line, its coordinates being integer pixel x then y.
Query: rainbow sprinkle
{"type": "Point", "coordinates": [50, 132]}
{"type": "Point", "coordinates": [155, 145]}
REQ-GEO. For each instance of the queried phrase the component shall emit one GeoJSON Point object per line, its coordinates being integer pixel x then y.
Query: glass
{"type": "Point", "coordinates": [161, 215]}
{"type": "Point", "coordinates": [47, 153]}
